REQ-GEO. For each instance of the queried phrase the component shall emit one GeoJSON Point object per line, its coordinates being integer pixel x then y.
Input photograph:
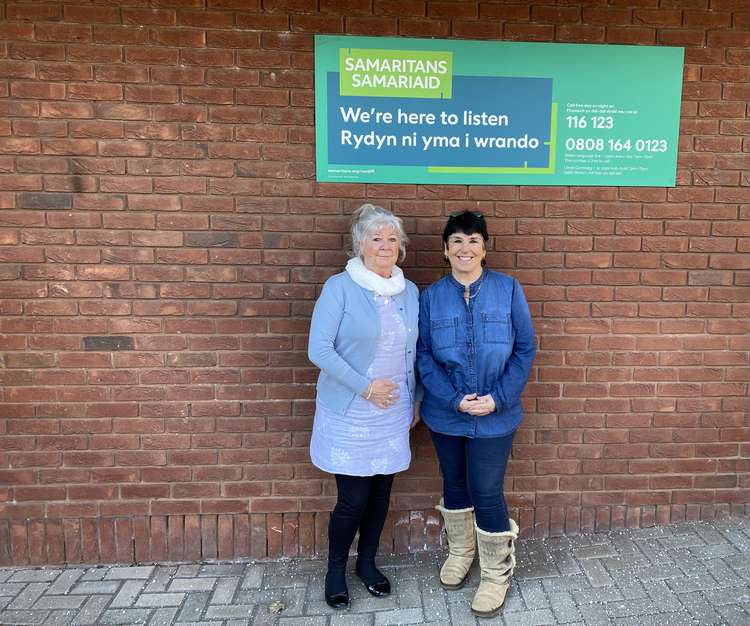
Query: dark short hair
{"type": "Point", "coordinates": [466, 222]}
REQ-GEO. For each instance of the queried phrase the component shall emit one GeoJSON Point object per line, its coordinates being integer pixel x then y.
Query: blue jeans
{"type": "Point", "coordinates": [473, 473]}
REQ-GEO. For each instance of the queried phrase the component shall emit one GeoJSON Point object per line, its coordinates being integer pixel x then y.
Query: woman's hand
{"type": "Point", "coordinates": [466, 404]}
{"type": "Point", "coordinates": [417, 418]}
{"type": "Point", "coordinates": [477, 405]}
{"type": "Point", "coordinates": [382, 393]}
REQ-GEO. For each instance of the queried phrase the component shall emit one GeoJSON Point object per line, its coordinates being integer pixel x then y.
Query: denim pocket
{"type": "Point", "coordinates": [496, 327]}
{"type": "Point", "coordinates": [443, 333]}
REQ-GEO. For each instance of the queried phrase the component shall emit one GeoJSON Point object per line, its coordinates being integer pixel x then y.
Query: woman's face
{"type": "Point", "coordinates": [380, 249]}
{"type": "Point", "coordinates": [465, 254]}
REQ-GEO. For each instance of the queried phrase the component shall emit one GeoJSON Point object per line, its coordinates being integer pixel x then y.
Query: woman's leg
{"type": "Point", "coordinates": [353, 494]}
{"type": "Point", "coordinates": [451, 453]}
{"type": "Point", "coordinates": [486, 461]}
{"type": "Point", "coordinates": [370, 529]}
{"type": "Point", "coordinates": [373, 520]}
{"type": "Point", "coordinates": [496, 533]}
{"type": "Point", "coordinates": [456, 509]}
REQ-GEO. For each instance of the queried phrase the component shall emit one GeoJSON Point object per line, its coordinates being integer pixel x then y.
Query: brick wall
{"type": "Point", "coordinates": [163, 240]}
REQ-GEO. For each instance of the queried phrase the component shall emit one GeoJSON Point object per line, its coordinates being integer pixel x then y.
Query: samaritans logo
{"type": "Point", "coordinates": [395, 73]}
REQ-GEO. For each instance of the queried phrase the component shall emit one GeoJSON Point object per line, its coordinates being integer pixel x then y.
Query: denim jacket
{"type": "Point", "coordinates": [484, 347]}
{"type": "Point", "coordinates": [344, 334]}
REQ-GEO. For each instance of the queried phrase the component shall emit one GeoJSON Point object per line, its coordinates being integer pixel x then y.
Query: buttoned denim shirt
{"type": "Point", "coordinates": [485, 347]}
{"type": "Point", "coordinates": [344, 333]}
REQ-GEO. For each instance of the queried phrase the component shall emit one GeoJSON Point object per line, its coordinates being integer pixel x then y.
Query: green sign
{"type": "Point", "coordinates": [396, 110]}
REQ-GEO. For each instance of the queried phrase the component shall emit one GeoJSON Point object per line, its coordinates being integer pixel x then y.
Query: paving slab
{"type": "Point", "coordinates": [22, 618]}
{"type": "Point", "coordinates": [90, 588]}
{"type": "Point", "coordinates": [160, 579]}
{"type": "Point", "coordinates": [224, 591]}
{"type": "Point", "coordinates": [192, 584]}
{"type": "Point", "coordinates": [688, 574]}
{"type": "Point", "coordinates": [27, 598]}
{"type": "Point", "coordinates": [59, 602]}
{"type": "Point", "coordinates": [91, 611]}
{"type": "Point", "coordinates": [126, 573]}
{"type": "Point", "coordinates": [128, 594]}
{"type": "Point", "coordinates": [95, 573]}
{"type": "Point", "coordinates": [34, 575]}
{"type": "Point", "coordinates": [64, 582]}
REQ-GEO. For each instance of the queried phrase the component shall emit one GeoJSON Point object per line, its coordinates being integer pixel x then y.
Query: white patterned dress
{"type": "Point", "coordinates": [368, 440]}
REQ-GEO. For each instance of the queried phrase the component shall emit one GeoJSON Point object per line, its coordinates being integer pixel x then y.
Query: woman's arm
{"type": "Point", "coordinates": [432, 375]}
{"type": "Point", "coordinates": [324, 328]}
{"type": "Point", "coordinates": [508, 389]}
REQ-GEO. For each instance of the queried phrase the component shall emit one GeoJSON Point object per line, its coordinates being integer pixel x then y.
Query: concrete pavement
{"type": "Point", "coordinates": [689, 573]}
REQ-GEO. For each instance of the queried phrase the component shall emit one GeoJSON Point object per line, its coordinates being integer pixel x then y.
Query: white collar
{"type": "Point", "coordinates": [370, 280]}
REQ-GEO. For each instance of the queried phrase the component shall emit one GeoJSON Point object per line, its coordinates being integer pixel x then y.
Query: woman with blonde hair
{"type": "Point", "coordinates": [363, 338]}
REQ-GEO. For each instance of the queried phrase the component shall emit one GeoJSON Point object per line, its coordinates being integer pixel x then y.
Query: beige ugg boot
{"type": "Point", "coordinates": [459, 525]}
{"type": "Point", "coordinates": [497, 559]}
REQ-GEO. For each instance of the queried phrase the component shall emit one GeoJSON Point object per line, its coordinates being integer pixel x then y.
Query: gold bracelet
{"type": "Point", "coordinates": [369, 391]}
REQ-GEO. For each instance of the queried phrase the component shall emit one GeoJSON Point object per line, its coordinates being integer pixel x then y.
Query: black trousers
{"type": "Point", "coordinates": [362, 505]}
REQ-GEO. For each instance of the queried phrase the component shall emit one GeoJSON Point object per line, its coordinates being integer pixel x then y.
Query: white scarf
{"type": "Point", "coordinates": [370, 280]}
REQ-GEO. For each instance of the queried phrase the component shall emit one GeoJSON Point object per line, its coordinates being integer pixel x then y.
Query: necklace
{"type": "Point", "coordinates": [467, 292]}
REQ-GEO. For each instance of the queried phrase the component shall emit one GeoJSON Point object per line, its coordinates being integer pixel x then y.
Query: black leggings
{"type": "Point", "coordinates": [362, 505]}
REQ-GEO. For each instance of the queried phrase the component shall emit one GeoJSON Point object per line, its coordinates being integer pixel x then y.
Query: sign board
{"type": "Point", "coordinates": [432, 111]}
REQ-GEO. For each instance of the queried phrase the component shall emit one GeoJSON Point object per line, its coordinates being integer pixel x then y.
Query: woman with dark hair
{"type": "Point", "coordinates": [363, 338]}
{"type": "Point", "coordinates": [475, 349]}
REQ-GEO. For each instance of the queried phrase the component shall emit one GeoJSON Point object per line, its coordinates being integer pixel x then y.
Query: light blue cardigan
{"type": "Point", "coordinates": [344, 334]}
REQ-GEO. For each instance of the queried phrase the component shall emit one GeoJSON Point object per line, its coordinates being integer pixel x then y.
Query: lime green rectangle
{"type": "Point", "coordinates": [395, 73]}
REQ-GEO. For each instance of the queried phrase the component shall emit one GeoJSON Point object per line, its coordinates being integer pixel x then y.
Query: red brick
{"type": "Point", "coordinates": [151, 55]}
{"type": "Point", "coordinates": [91, 91]}
{"type": "Point", "coordinates": [33, 12]}
{"type": "Point", "coordinates": [86, 14]}
{"type": "Point", "coordinates": [209, 539]}
{"type": "Point", "coordinates": [630, 34]}
{"type": "Point", "coordinates": [206, 241]}
{"type": "Point", "coordinates": [68, 33]}
{"type": "Point", "coordinates": [529, 32]}
{"type": "Point", "coordinates": [660, 17]}
{"type": "Point", "coordinates": [596, 15]}
{"type": "Point", "coordinates": [375, 26]}
{"type": "Point", "coordinates": [158, 538]}
{"type": "Point", "coordinates": [728, 38]}
{"type": "Point", "coordinates": [210, 57]}
{"type": "Point", "coordinates": [579, 33]}
{"type": "Point", "coordinates": [265, 21]}
{"type": "Point", "coordinates": [150, 93]}
{"type": "Point", "coordinates": [144, 17]}
{"type": "Point", "coordinates": [210, 19]}
{"type": "Point", "coordinates": [37, 90]}
{"type": "Point", "coordinates": [180, 37]}
{"type": "Point", "coordinates": [424, 28]}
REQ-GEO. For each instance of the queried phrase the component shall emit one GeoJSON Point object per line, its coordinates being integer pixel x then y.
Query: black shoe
{"type": "Point", "coordinates": [336, 597]}
{"type": "Point", "coordinates": [380, 589]}
{"type": "Point", "coordinates": [338, 601]}
{"type": "Point", "coordinates": [373, 579]}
